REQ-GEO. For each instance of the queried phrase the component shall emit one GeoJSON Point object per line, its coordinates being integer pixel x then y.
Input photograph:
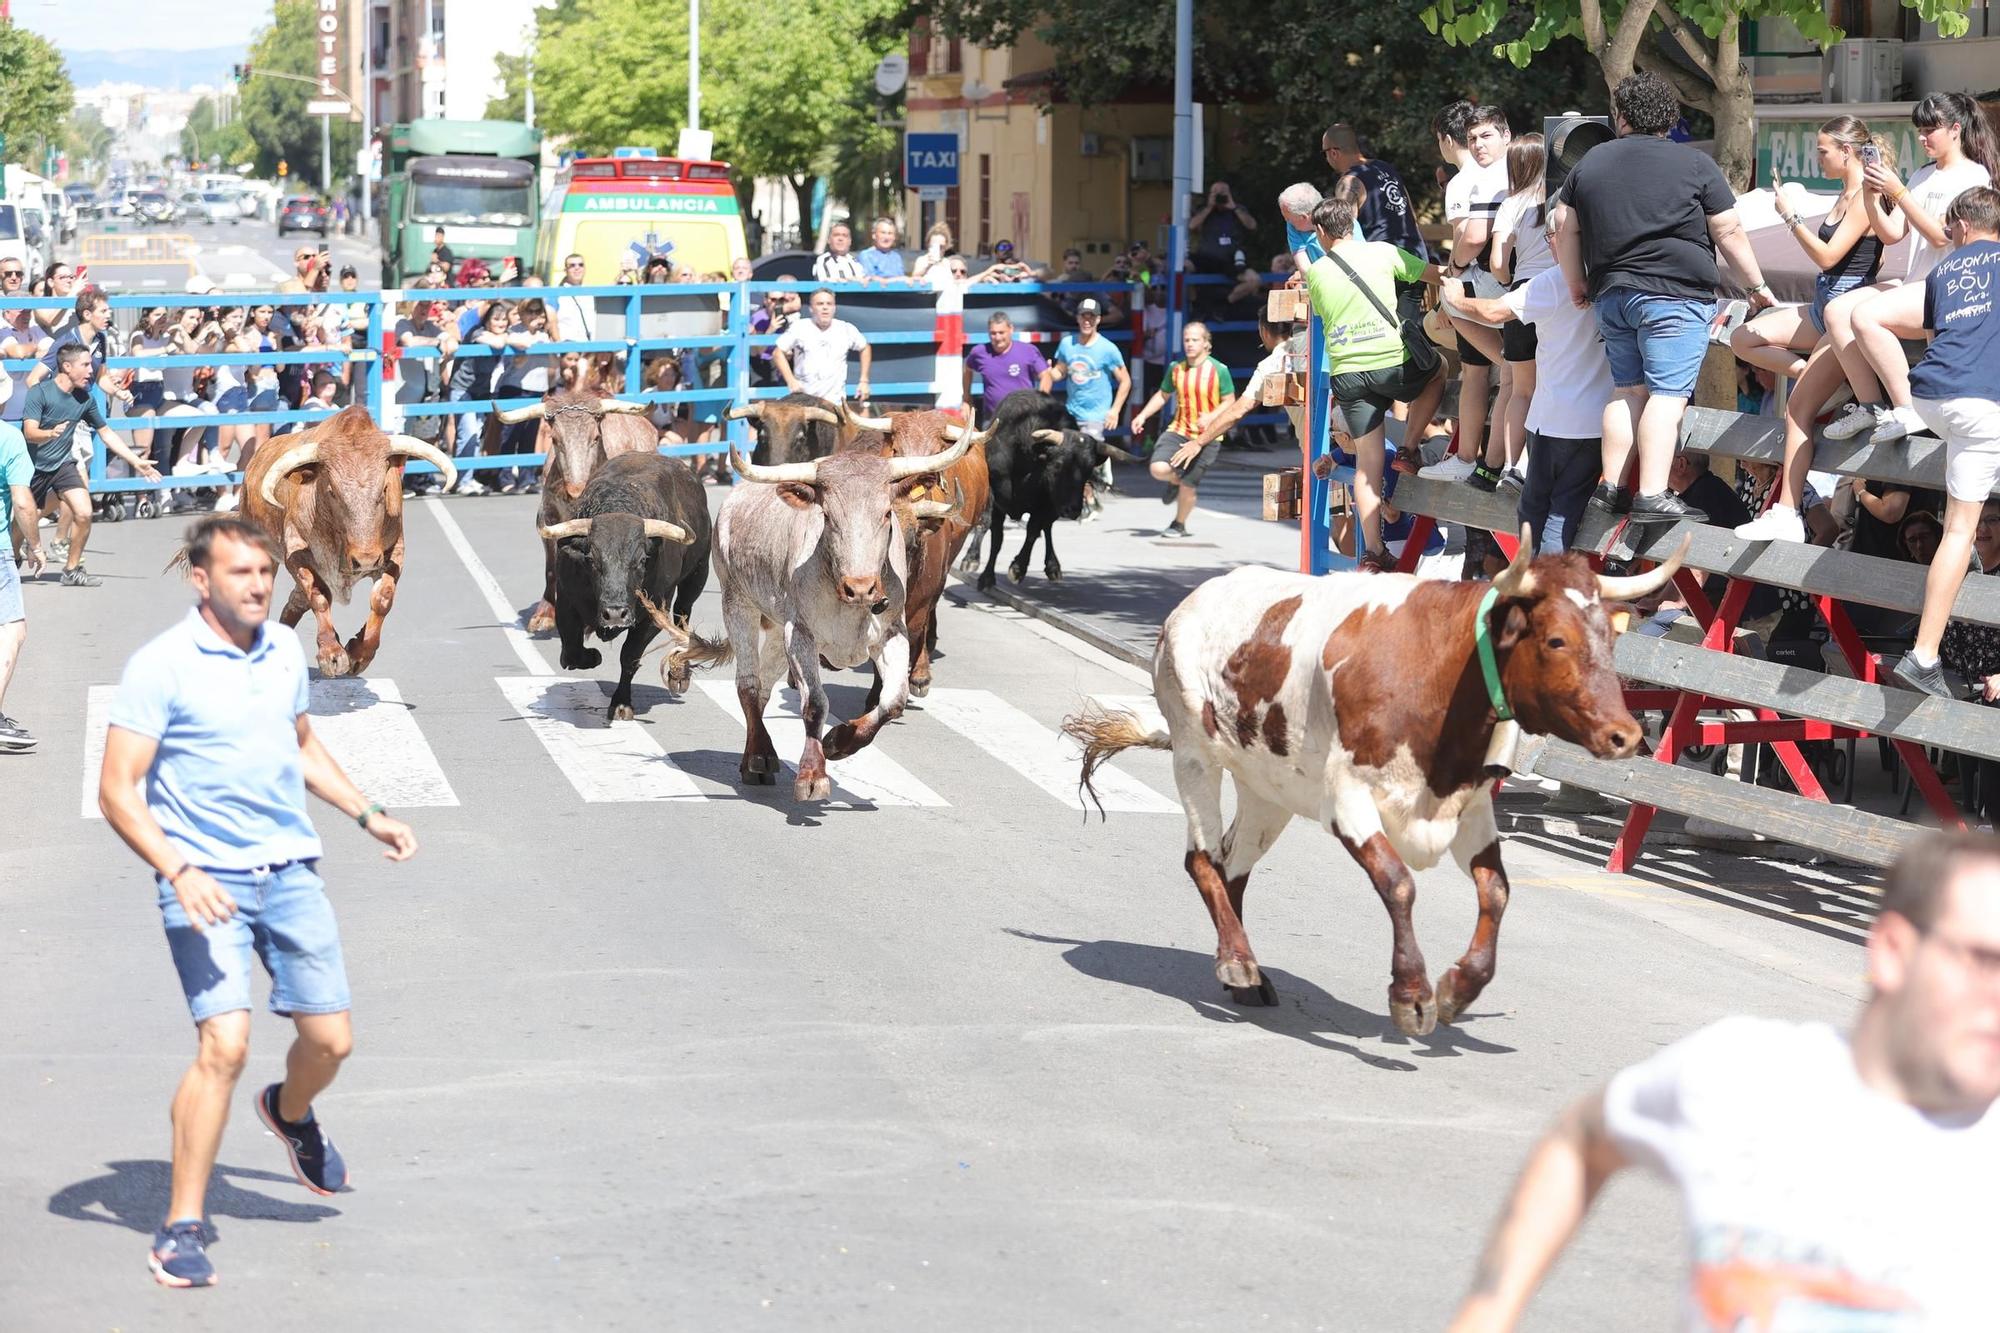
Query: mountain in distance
{"type": "Point", "coordinates": [155, 69]}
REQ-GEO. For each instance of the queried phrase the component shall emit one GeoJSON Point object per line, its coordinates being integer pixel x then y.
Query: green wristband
{"type": "Point", "coordinates": [373, 809]}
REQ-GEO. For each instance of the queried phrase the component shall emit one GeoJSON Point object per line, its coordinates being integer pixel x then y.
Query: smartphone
{"type": "Point", "coordinates": [322, 247]}
{"type": "Point", "coordinates": [1871, 156]}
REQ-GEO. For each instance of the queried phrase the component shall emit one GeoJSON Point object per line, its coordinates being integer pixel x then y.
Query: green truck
{"type": "Point", "coordinates": [480, 180]}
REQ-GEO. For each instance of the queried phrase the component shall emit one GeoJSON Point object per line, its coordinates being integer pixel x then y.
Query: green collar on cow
{"type": "Point", "coordinates": [1482, 638]}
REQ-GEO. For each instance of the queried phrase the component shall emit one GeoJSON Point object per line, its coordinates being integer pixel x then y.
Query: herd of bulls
{"type": "Point", "coordinates": [1379, 707]}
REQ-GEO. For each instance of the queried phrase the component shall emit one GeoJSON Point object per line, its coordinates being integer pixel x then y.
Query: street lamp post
{"type": "Point", "coordinates": [694, 64]}
{"type": "Point", "coordinates": [1177, 244]}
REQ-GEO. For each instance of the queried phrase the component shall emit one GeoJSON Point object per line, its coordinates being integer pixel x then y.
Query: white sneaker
{"type": "Point", "coordinates": [1854, 419]}
{"type": "Point", "coordinates": [469, 485]}
{"type": "Point", "coordinates": [1779, 523]}
{"type": "Point", "coordinates": [1895, 424]}
{"type": "Point", "coordinates": [227, 504]}
{"type": "Point", "coordinates": [1449, 468]}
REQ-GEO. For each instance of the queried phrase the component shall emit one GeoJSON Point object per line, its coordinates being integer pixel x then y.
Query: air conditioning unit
{"type": "Point", "coordinates": [1864, 69]}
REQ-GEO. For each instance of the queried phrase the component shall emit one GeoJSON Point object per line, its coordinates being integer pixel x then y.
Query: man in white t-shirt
{"type": "Point", "coordinates": [1474, 139]}
{"type": "Point", "coordinates": [1566, 414]}
{"type": "Point", "coordinates": [811, 355]}
{"type": "Point", "coordinates": [1828, 1182]}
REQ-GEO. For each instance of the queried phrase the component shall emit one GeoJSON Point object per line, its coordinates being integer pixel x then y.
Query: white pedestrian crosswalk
{"type": "Point", "coordinates": [363, 723]}
{"type": "Point", "coordinates": [920, 763]}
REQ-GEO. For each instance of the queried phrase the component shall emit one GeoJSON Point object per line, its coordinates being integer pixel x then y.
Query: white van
{"type": "Point", "coordinates": [13, 244]}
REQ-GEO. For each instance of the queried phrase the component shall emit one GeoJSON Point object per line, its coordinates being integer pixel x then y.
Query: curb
{"type": "Point", "coordinates": [1062, 620]}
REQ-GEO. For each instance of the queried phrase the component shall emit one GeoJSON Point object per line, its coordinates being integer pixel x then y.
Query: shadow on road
{"type": "Point", "coordinates": [134, 1196]}
{"type": "Point", "coordinates": [1304, 1012]}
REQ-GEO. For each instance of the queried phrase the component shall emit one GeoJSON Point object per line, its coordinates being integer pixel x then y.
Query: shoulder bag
{"type": "Point", "coordinates": [1418, 352]}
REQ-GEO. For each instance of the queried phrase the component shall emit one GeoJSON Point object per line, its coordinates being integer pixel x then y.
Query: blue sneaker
{"type": "Point", "coordinates": [315, 1161]}
{"type": "Point", "coordinates": [180, 1256]}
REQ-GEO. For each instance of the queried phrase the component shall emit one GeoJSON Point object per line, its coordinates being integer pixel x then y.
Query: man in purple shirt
{"type": "Point", "coordinates": [1004, 366]}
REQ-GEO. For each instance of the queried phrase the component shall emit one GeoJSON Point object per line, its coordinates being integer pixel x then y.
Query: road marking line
{"type": "Point", "coordinates": [1141, 706]}
{"type": "Point", "coordinates": [363, 723]}
{"type": "Point", "coordinates": [496, 600]}
{"type": "Point", "coordinates": [1040, 755]}
{"type": "Point", "coordinates": [869, 776]}
{"type": "Point", "coordinates": [603, 760]}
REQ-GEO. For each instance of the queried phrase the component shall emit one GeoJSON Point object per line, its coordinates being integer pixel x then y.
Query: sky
{"type": "Point", "coordinates": [126, 25]}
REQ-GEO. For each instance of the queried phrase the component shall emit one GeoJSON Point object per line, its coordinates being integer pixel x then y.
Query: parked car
{"type": "Point", "coordinates": [154, 208]}
{"type": "Point", "coordinates": [301, 213]}
{"type": "Point", "coordinates": [84, 200]}
{"type": "Point", "coordinates": [211, 206]}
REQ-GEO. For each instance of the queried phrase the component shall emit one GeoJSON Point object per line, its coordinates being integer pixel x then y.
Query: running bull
{"type": "Point", "coordinates": [1038, 462]}
{"type": "Point", "coordinates": [579, 430]}
{"type": "Point", "coordinates": [332, 498]}
{"type": "Point", "coordinates": [639, 540]}
{"type": "Point", "coordinates": [814, 569]}
{"type": "Point", "coordinates": [800, 427]}
{"type": "Point", "coordinates": [1360, 702]}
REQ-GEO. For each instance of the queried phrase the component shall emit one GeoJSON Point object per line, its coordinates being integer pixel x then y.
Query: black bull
{"type": "Point", "coordinates": [1037, 462]}
{"type": "Point", "coordinates": [640, 536]}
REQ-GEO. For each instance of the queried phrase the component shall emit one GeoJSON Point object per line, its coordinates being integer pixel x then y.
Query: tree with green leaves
{"type": "Point", "coordinates": [1696, 45]}
{"type": "Point", "coordinates": [35, 95]}
{"type": "Point", "coordinates": [207, 140]}
{"type": "Point", "coordinates": [272, 110]}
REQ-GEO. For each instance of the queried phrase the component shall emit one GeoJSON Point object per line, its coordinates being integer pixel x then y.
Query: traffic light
{"type": "Point", "coordinates": [283, 170]}
{"type": "Point", "coordinates": [239, 73]}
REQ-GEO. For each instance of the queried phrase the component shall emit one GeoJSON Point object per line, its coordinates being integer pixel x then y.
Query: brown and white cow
{"type": "Point", "coordinates": [1358, 702]}
{"type": "Point", "coordinates": [813, 569]}
{"type": "Point", "coordinates": [332, 498]}
{"type": "Point", "coordinates": [579, 430]}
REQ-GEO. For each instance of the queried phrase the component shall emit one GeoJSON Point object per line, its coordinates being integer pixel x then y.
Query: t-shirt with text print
{"type": "Point", "coordinates": [1091, 369]}
{"type": "Point", "coordinates": [1963, 360]}
{"type": "Point", "coordinates": [1357, 335]}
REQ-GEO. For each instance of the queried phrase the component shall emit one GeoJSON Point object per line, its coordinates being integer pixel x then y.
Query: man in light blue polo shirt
{"type": "Point", "coordinates": [20, 523]}
{"type": "Point", "coordinates": [211, 717]}
{"type": "Point", "coordinates": [1098, 384]}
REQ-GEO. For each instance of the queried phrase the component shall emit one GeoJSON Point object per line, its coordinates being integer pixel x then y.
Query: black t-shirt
{"type": "Point", "coordinates": [1222, 235]}
{"type": "Point", "coordinates": [1642, 204]}
{"type": "Point", "coordinates": [1386, 214]}
{"type": "Point", "coordinates": [1874, 537]}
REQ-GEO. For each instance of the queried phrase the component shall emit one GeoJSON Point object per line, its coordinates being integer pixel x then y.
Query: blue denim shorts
{"type": "Point", "coordinates": [283, 916]}
{"type": "Point", "coordinates": [1828, 288]}
{"type": "Point", "coordinates": [1658, 341]}
{"type": "Point", "coordinates": [11, 608]}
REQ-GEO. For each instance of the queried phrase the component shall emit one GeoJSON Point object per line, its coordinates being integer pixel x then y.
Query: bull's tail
{"type": "Point", "coordinates": [686, 650]}
{"type": "Point", "coordinates": [1104, 733]}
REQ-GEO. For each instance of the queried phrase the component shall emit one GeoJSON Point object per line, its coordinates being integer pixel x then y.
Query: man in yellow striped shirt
{"type": "Point", "coordinates": [1200, 387]}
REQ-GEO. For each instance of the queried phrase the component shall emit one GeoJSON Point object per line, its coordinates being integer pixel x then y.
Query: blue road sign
{"type": "Point", "coordinates": [930, 159]}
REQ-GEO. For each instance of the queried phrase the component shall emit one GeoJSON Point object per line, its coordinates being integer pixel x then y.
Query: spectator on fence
{"type": "Point", "coordinates": [308, 272]}
{"type": "Point", "coordinates": [811, 355]}
{"type": "Point", "coordinates": [437, 273]}
{"type": "Point", "coordinates": [882, 260]}
{"type": "Point", "coordinates": [1955, 388]}
{"type": "Point", "coordinates": [1296, 203]}
{"type": "Point", "coordinates": [1385, 213]}
{"type": "Point", "coordinates": [778, 313]}
{"type": "Point", "coordinates": [1566, 410]}
{"type": "Point", "coordinates": [658, 270]}
{"type": "Point", "coordinates": [576, 316]}
{"type": "Point", "coordinates": [21, 338]}
{"type": "Point", "coordinates": [1745, 1115]}
{"type": "Point", "coordinates": [1220, 228]}
{"type": "Point", "coordinates": [678, 423]}
{"type": "Point", "coordinates": [1353, 293]}
{"type": "Point", "coordinates": [148, 385]}
{"type": "Point", "coordinates": [837, 263]}
{"type": "Point", "coordinates": [1473, 139]}
{"type": "Point", "coordinates": [59, 284]}
{"type": "Point", "coordinates": [420, 324]}
{"type": "Point", "coordinates": [524, 373]}
{"type": "Point", "coordinates": [1003, 366]}
{"type": "Point", "coordinates": [1520, 252]}
{"type": "Point", "coordinates": [1072, 270]}
{"type": "Point", "coordinates": [20, 522]}
{"type": "Point", "coordinates": [49, 421]}
{"type": "Point", "coordinates": [1846, 247]}
{"type": "Point", "coordinates": [471, 381]}
{"type": "Point", "coordinates": [1640, 221]}
{"type": "Point", "coordinates": [1098, 384]}
{"type": "Point", "coordinates": [440, 252]}
{"type": "Point", "coordinates": [1006, 266]}
{"type": "Point", "coordinates": [1965, 154]}
{"type": "Point", "coordinates": [937, 244]}
{"type": "Point", "coordinates": [91, 330]}
{"type": "Point", "coordinates": [1201, 388]}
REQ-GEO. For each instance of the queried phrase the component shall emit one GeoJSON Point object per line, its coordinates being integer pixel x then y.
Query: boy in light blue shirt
{"type": "Point", "coordinates": [20, 521]}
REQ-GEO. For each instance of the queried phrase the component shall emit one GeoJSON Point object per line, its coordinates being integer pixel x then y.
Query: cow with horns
{"type": "Point", "coordinates": [638, 542]}
{"type": "Point", "coordinates": [800, 427]}
{"type": "Point", "coordinates": [332, 498]}
{"type": "Point", "coordinates": [814, 569]}
{"type": "Point", "coordinates": [1382, 708]}
{"type": "Point", "coordinates": [1038, 462]}
{"type": "Point", "coordinates": [579, 431]}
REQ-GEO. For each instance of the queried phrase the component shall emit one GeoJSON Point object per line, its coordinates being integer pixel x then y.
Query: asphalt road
{"type": "Point", "coordinates": [637, 1049]}
{"type": "Point", "coordinates": [248, 256]}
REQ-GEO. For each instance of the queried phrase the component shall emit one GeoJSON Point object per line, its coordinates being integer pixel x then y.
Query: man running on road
{"type": "Point", "coordinates": [48, 420]}
{"type": "Point", "coordinates": [211, 717]}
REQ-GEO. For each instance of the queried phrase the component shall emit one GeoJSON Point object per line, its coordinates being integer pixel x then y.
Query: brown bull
{"type": "Point", "coordinates": [579, 430]}
{"type": "Point", "coordinates": [799, 427]}
{"type": "Point", "coordinates": [932, 548]}
{"type": "Point", "coordinates": [332, 498]}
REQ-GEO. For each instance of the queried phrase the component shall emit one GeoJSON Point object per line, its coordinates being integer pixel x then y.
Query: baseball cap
{"type": "Point", "coordinates": [1088, 306]}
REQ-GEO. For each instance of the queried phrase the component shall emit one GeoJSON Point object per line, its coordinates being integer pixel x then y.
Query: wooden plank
{"type": "Point", "coordinates": [1895, 584]}
{"type": "Point", "coordinates": [1801, 692]}
{"type": "Point", "coordinates": [1838, 830]}
{"type": "Point", "coordinates": [1916, 461]}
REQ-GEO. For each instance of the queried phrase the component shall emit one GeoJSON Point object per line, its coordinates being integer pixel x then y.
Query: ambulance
{"type": "Point", "coordinates": [615, 210]}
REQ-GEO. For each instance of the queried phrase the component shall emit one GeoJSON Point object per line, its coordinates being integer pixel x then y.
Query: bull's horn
{"type": "Point", "coordinates": [574, 527]}
{"type": "Point", "coordinates": [750, 411]}
{"type": "Point", "coordinates": [958, 432]}
{"type": "Point", "coordinates": [1113, 451]}
{"type": "Point", "coordinates": [511, 416]}
{"type": "Point", "coordinates": [303, 454]}
{"type": "Point", "coordinates": [409, 446]}
{"type": "Point", "coordinates": [776, 474]}
{"type": "Point", "coordinates": [901, 469]}
{"type": "Point", "coordinates": [659, 527]}
{"type": "Point", "coordinates": [933, 508]}
{"type": "Point", "coordinates": [1635, 586]}
{"type": "Point", "coordinates": [622, 405]}
{"type": "Point", "coordinates": [870, 423]}
{"type": "Point", "coordinates": [1047, 436]}
{"type": "Point", "coordinates": [821, 414]}
{"type": "Point", "coordinates": [1515, 580]}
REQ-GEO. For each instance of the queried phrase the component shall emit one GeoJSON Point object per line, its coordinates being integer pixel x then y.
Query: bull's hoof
{"type": "Point", "coordinates": [679, 681]}
{"type": "Point", "coordinates": [1261, 996]}
{"type": "Point", "coordinates": [812, 788]}
{"type": "Point", "coordinates": [542, 620]}
{"type": "Point", "coordinates": [1018, 573]}
{"type": "Point", "coordinates": [583, 659]}
{"type": "Point", "coordinates": [1052, 572]}
{"type": "Point", "coordinates": [1238, 973]}
{"type": "Point", "coordinates": [1450, 1001]}
{"type": "Point", "coordinates": [986, 581]}
{"type": "Point", "coordinates": [621, 712]}
{"type": "Point", "coordinates": [1414, 1018]}
{"type": "Point", "coordinates": [918, 688]}
{"type": "Point", "coordinates": [759, 770]}
{"type": "Point", "coordinates": [335, 662]}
